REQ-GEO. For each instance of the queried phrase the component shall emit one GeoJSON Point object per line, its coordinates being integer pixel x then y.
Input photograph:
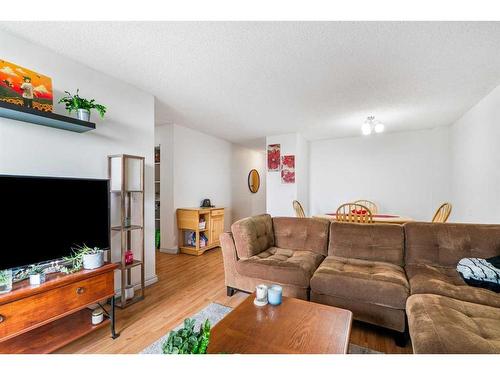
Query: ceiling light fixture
{"type": "Point", "coordinates": [372, 125]}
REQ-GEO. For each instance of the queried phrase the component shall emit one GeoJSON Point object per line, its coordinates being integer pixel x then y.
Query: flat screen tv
{"type": "Point", "coordinates": [42, 218]}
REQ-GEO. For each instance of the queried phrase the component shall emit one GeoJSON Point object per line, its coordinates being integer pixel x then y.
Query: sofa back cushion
{"type": "Point", "coordinates": [301, 234]}
{"type": "Point", "coordinates": [253, 235]}
{"type": "Point", "coordinates": [444, 245]}
{"type": "Point", "coordinates": [373, 242]}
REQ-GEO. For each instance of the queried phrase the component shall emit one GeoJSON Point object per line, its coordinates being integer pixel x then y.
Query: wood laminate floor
{"type": "Point", "coordinates": [186, 285]}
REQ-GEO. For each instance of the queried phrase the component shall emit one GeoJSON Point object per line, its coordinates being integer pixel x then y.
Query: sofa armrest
{"type": "Point", "coordinates": [230, 257]}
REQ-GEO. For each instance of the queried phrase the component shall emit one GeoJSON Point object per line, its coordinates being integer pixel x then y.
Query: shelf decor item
{"type": "Point", "coordinates": [81, 105]}
{"type": "Point", "coordinates": [25, 88]}
{"type": "Point", "coordinates": [36, 275]}
{"type": "Point", "coordinates": [126, 175]}
{"type": "Point", "coordinates": [97, 316]}
{"type": "Point", "coordinates": [5, 281]}
{"type": "Point", "coordinates": [129, 257]}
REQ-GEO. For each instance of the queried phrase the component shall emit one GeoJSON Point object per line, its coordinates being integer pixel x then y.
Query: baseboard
{"type": "Point", "coordinates": [173, 250]}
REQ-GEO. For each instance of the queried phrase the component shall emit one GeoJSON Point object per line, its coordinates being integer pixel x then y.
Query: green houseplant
{"type": "Point", "coordinates": [187, 340]}
{"type": "Point", "coordinates": [82, 257]}
{"type": "Point", "coordinates": [81, 105]}
{"type": "Point", "coordinates": [5, 281]}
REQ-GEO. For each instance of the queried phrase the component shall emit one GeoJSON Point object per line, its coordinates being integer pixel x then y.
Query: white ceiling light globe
{"type": "Point", "coordinates": [379, 128]}
{"type": "Point", "coordinates": [366, 128]}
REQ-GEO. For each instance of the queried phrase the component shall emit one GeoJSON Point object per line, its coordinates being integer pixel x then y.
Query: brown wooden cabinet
{"type": "Point", "coordinates": [43, 318]}
{"type": "Point", "coordinates": [196, 225]}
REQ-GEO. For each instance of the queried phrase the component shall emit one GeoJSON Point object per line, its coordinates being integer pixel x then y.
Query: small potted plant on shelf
{"type": "Point", "coordinates": [36, 274]}
{"type": "Point", "coordinates": [83, 257]}
{"type": "Point", "coordinates": [5, 281]}
{"type": "Point", "coordinates": [81, 105]}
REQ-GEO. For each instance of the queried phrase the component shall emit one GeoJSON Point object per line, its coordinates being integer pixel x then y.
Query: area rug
{"type": "Point", "coordinates": [214, 312]}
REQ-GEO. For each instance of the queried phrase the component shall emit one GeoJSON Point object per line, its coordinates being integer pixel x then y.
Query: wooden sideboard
{"type": "Point", "coordinates": [44, 318]}
{"type": "Point", "coordinates": [188, 221]}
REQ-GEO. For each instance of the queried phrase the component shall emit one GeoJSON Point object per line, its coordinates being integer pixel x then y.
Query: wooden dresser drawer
{"type": "Point", "coordinates": [26, 313]}
{"type": "Point", "coordinates": [217, 212]}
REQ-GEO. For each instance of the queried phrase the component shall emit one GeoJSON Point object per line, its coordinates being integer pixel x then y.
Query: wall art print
{"type": "Point", "coordinates": [288, 169]}
{"type": "Point", "coordinates": [25, 88]}
{"type": "Point", "coordinates": [273, 157]}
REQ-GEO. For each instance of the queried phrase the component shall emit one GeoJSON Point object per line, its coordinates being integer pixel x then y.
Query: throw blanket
{"type": "Point", "coordinates": [480, 272]}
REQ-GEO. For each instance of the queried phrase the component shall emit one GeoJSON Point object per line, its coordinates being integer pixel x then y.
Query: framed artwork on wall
{"type": "Point", "coordinates": [25, 88]}
{"type": "Point", "coordinates": [273, 157]}
{"type": "Point", "coordinates": [288, 169]}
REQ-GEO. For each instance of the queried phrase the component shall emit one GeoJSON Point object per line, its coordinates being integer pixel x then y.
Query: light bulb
{"type": "Point", "coordinates": [366, 128]}
{"type": "Point", "coordinates": [379, 127]}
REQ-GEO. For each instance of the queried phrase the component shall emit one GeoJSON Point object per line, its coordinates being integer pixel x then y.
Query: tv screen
{"type": "Point", "coordinates": [42, 218]}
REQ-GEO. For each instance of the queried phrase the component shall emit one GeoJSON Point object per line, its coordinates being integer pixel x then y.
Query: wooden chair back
{"type": "Point", "coordinates": [442, 214]}
{"type": "Point", "coordinates": [372, 206]}
{"type": "Point", "coordinates": [354, 213]}
{"type": "Point", "coordinates": [299, 211]}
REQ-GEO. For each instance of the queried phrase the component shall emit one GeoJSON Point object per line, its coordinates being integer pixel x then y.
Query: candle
{"type": "Point", "coordinates": [274, 294]}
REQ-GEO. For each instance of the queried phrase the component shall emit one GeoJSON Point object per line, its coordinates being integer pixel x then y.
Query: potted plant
{"type": "Point", "coordinates": [187, 340]}
{"type": "Point", "coordinates": [83, 257]}
{"type": "Point", "coordinates": [81, 105]}
{"type": "Point", "coordinates": [36, 274]}
{"type": "Point", "coordinates": [5, 281]}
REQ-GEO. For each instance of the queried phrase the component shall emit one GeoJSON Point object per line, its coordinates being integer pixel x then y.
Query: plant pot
{"type": "Point", "coordinates": [5, 281]}
{"type": "Point", "coordinates": [83, 114]}
{"type": "Point", "coordinates": [93, 261]}
{"type": "Point", "coordinates": [37, 279]}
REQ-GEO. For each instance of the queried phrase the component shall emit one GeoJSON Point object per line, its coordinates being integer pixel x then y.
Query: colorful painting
{"type": "Point", "coordinates": [288, 169]}
{"type": "Point", "coordinates": [25, 87]}
{"type": "Point", "coordinates": [273, 157]}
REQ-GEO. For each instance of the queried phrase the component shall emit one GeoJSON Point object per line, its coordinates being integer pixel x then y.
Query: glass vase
{"type": "Point", "coordinates": [5, 281]}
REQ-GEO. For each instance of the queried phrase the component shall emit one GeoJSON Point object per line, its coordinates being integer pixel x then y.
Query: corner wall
{"type": "Point", "coordinates": [475, 163]}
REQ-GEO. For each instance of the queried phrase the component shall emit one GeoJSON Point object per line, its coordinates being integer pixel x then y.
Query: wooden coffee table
{"type": "Point", "coordinates": [294, 327]}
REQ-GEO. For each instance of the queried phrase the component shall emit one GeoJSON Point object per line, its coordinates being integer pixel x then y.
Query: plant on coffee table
{"type": "Point", "coordinates": [188, 341]}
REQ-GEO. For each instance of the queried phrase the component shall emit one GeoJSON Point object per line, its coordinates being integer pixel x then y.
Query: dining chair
{"type": "Point", "coordinates": [299, 211]}
{"type": "Point", "coordinates": [372, 206]}
{"type": "Point", "coordinates": [442, 214]}
{"type": "Point", "coordinates": [354, 213]}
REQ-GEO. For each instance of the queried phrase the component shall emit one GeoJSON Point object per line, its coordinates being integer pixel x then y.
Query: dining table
{"type": "Point", "coordinates": [377, 218]}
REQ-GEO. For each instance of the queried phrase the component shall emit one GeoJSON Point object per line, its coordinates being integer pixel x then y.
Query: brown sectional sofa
{"type": "Point", "coordinates": [385, 274]}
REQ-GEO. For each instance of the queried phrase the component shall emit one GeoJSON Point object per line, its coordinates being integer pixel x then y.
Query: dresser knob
{"type": "Point", "coordinates": [80, 290]}
{"type": "Point", "coordinates": [2, 318]}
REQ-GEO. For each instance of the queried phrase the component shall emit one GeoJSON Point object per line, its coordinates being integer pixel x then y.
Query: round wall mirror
{"type": "Point", "coordinates": [254, 181]}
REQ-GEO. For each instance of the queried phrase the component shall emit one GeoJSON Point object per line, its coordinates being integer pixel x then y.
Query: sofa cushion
{"type": "Point", "coordinates": [445, 325]}
{"type": "Point", "coordinates": [286, 266]}
{"type": "Point", "coordinates": [253, 235]}
{"type": "Point", "coordinates": [426, 279]}
{"type": "Point", "coordinates": [378, 283]}
{"type": "Point", "coordinates": [445, 244]}
{"type": "Point", "coordinates": [301, 234]}
{"type": "Point", "coordinates": [375, 242]}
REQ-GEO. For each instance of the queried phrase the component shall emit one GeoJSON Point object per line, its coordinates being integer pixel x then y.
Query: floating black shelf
{"type": "Point", "coordinates": [53, 120]}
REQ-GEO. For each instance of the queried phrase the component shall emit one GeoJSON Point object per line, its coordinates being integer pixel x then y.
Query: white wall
{"type": "Point", "coordinates": [279, 196]}
{"type": "Point", "coordinates": [243, 202]}
{"type": "Point", "coordinates": [404, 173]}
{"type": "Point", "coordinates": [195, 166]}
{"type": "Point", "coordinates": [475, 163]}
{"type": "Point", "coordinates": [27, 149]}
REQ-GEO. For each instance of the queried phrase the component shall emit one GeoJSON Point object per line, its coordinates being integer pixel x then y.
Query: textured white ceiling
{"type": "Point", "coordinates": [245, 80]}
